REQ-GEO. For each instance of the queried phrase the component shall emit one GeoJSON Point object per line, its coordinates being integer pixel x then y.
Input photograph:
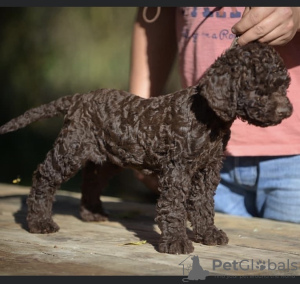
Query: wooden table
{"type": "Point", "coordinates": [81, 248]}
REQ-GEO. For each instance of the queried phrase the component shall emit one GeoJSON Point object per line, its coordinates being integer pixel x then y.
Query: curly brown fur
{"type": "Point", "coordinates": [181, 137]}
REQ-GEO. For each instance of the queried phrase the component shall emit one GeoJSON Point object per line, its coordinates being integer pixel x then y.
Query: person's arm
{"type": "Point", "coordinates": [273, 25]}
{"type": "Point", "coordinates": [153, 52]}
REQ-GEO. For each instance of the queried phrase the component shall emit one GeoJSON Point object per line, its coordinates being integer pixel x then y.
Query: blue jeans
{"type": "Point", "coordinates": [267, 187]}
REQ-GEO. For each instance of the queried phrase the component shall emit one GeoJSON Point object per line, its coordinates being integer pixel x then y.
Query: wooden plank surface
{"type": "Point", "coordinates": [81, 248]}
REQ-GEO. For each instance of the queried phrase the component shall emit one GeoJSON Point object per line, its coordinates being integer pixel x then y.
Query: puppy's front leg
{"type": "Point", "coordinates": [200, 208]}
{"type": "Point", "coordinates": [171, 212]}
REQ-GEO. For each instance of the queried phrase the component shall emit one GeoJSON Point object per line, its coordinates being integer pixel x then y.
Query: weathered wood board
{"type": "Point", "coordinates": [81, 248]}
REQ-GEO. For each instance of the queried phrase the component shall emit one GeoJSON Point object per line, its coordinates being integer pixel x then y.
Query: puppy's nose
{"type": "Point", "coordinates": [285, 111]}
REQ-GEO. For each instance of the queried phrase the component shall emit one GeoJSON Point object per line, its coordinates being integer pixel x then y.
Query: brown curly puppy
{"type": "Point", "coordinates": [181, 137]}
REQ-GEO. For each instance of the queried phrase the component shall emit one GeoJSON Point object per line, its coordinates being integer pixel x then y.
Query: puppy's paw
{"type": "Point", "coordinates": [95, 214]}
{"type": "Point", "coordinates": [179, 246]}
{"type": "Point", "coordinates": [213, 237]}
{"type": "Point", "coordinates": [42, 226]}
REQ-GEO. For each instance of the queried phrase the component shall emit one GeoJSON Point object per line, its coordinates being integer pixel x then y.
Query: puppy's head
{"type": "Point", "coordinates": [249, 82]}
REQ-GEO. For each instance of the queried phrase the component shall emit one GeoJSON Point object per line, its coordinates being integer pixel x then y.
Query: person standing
{"type": "Point", "coordinates": [260, 176]}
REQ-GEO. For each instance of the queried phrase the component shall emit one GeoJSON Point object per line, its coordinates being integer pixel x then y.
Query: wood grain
{"type": "Point", "coordinates": [81, 248]}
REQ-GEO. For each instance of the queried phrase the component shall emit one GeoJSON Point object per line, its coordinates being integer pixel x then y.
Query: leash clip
{"type": "Point", "coordinates": [234, 42]}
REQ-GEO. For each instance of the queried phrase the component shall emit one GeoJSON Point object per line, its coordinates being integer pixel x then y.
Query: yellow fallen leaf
{"type": "Point", "coordinates": [16, 181]}
{"type": "Point", "coordinates": [135, 243]}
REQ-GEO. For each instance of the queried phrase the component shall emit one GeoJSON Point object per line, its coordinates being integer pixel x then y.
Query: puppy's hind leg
{"type": "Point", "coordinates": [61, 163]}
{"type": "Point", "coordinates": [95, 179]}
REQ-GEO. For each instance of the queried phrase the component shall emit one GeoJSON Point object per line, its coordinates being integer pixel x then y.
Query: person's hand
{"type": "Point", "coordinates": [273, 25]}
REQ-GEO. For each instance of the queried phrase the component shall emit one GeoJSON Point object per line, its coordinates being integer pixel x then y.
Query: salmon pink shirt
{"type": "Point", "coordinates": [208, 41]}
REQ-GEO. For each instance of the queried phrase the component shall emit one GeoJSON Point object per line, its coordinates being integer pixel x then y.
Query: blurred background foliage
{"type": "Point", "coordinates": [46, 53]}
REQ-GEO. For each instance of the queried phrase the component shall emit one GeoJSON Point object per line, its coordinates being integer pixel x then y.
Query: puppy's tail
{"type": "Point", "coordinates": [49, 110]}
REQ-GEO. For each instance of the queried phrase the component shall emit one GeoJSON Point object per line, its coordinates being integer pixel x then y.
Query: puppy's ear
{"type": "Point", "coordinates": [220, 92]}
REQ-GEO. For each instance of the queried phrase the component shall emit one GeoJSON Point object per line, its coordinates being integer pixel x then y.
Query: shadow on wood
{"type": "Point", "coordinates": [68, 205]}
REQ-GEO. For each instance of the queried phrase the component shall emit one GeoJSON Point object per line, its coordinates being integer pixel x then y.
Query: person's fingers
{"type": "Point", "coordinates": [277, 27]}
{"type": "Point", "coordinates": [246, 11]}
{"type": "Point", "coordinates": [251, 18]}
{"type": "Point", "coordinates": [278, 41]}
{"type": "Point", "coordinates": [276, 37]}
{"type": "Point", "coordinates": [268, 28]}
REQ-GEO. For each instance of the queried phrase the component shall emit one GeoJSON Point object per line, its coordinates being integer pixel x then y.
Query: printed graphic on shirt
{"type": "Point", "coordinates": [206, 22]}
{"type": "Point", "coordinates": [222, 13]}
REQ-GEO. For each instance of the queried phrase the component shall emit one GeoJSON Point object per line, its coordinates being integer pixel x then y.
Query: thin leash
{"type": "Point", "coordinates": [234, 42]}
